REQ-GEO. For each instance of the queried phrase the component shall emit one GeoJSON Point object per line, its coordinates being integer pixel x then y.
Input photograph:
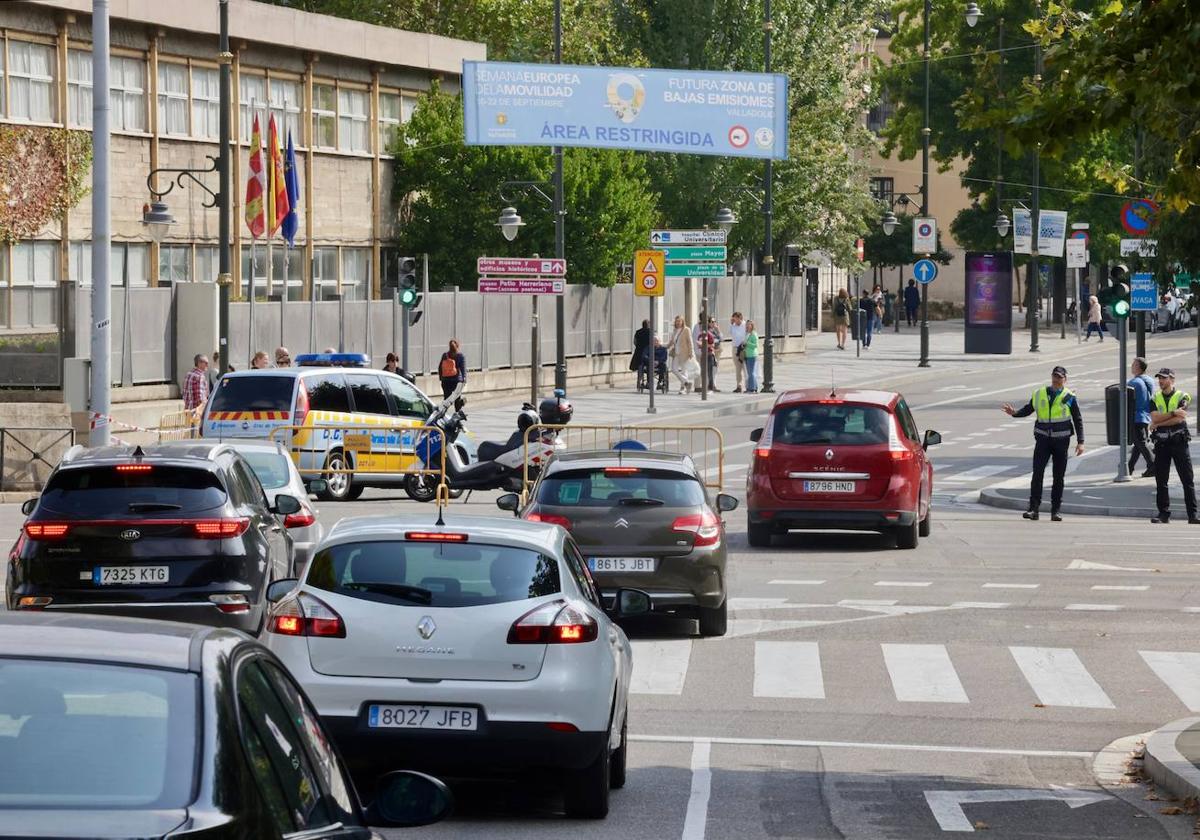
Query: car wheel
{"type": "Point", "coordinates": [616, 770]}
{"type": "Point", "coordinates": [759, 535]}
{"type": "Point", "coordinates": [355, 491]}
{"type": "Point", "coordinates": [906, 535]}
{"type": "Point", "coordinates": [715, 620]}
{"type": "Point", "coordinates": [420, 488]}
{"type": "Point", "coordinates": [337, 484]}
{"type": "Point", "coordinates": [586, 794]}
{"type": "Point", "coordinates": [927, 522]}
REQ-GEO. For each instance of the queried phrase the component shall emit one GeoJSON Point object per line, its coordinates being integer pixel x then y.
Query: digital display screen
{"type": "Point", "coordinates": [989, 290]}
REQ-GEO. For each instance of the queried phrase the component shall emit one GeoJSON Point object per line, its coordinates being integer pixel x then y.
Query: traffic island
{"type": "Point", "coordinates": [1173, 758]}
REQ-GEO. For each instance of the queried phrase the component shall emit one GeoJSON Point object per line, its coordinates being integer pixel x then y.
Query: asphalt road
{"type": "Point", "coordinates": [866, 692]}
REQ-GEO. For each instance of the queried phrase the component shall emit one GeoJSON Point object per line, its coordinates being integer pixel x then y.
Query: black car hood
{"type": "Point", "coordinates": [72, 823]}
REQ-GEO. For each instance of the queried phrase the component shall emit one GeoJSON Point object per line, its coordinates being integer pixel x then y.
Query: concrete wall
{"type": "Point", "coordinates": [196, 326]}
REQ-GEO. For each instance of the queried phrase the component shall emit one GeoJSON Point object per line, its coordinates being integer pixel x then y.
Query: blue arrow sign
{"type": "Point", "coordinates": [925, 271]}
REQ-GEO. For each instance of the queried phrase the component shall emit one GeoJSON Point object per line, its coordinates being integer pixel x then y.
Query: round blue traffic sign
{"type": "Point", "coordinates": [925, 271]}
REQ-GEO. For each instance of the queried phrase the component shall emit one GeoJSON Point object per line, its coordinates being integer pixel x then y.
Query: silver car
{"type": "Point", "coordinates": [278, 474]}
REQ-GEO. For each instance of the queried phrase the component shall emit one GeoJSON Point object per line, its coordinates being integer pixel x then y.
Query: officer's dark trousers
{"type": "Point", "coordinates": [1139, 446]}
{"type": "Point", "coordinates": [1175, 449]}
{"type": "Point", "coordinates": [1045, 449]}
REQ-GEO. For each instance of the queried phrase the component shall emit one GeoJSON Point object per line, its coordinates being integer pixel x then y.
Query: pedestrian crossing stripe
{"type": "Point", "coordinates": [915, 673]}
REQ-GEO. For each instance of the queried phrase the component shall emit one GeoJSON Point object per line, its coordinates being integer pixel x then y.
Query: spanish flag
{"type": "Point", "coordinates": [277, 195]}
{"type": "Point", "coordinates": [254, 186]}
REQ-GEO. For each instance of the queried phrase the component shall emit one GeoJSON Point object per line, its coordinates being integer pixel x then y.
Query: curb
{"type": "Point", "coordinates": [994, 498]}
{"type": "Point", "coordinates": [1167, 766]}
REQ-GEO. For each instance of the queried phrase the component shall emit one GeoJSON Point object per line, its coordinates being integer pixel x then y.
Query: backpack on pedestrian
{"type": "Point", "coordinates": [448, 369]}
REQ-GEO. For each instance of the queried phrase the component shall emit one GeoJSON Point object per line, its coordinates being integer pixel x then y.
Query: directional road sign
{"type": "Point", "coordinates": [521, 267]}
{"type": "Point", "coordinates": [521, 285]}
{"type": "Point", "coordinates": [695, 253]}
{"type": "Point", "coordinates": [716, 269]}
{"type": "Point", "coordinates": [648, 278]}
{"type": "Point", "coordinates": [687, 237]}
{"type": "Point", "coordinates": [1143, 292]}
{"type": "Point", "coordinates": [925, 271]}
{"type": "Point", "coordinates": [1140, 247]}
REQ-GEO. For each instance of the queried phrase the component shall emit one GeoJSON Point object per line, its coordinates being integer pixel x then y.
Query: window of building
{"type": "Point", "coordinates": [30, 81]}
{"type": "Point", "coordinates": [79, 88]}
{"type": "Point", "coordinates": [208, 263]}
{"type": "Point", "coordinates": [35, 263]}
{"type": "Point", "coordinates": [252, 98]}
{"type": "Point", "coordinates": [880, 112]}
{"type": "Point", "coordinates": [324, 114]}
{"type": "Point", "coordinates": [80, 271]}
{"type": "Point", "coordinates": [127, 86]}
{"type": "Point", "coordinates": [287, 270]}
{"type": "Point", "coordinates": [324, 273]}
{"type": "Point", "coordinates": [356, 273]}
{"type": "Point", "coordinates": [883, 189]}
{"type": "Point", "coordinates": [173, 99]}
{"type": "Point", "coordinates": [352, 120]}
{"type": "Point", "coordinates": [206, 103]}
{"type": "Point", "coordinates": [260, 272]}
{"type": "Point", "coordinates": [286, 99]}
{"type": "Point", "coordinates": [389, 120]}
{"type": "Point", "coordinates": [129, 264]}
{"type": "Point", "coordinates": [174, 264]}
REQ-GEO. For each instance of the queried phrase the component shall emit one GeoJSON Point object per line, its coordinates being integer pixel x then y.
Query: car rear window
{"type": "Point", "coordinates": [845, 424]}
{"type": "Point", "coordinates": [270, 467]}
{"type": "Point", "coordinates": [76, 735]}
{"type": "Point", "coordinates": [106, 491]}
{"type": "Point", "coordinates": [253, 393]}
{"type": "Point", "coordinates": [434, 574]}
{"type": "Point", "coordinates": [605, 488]}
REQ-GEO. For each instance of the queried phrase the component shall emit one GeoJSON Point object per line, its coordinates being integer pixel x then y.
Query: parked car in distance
{"type": "Point", "coordinates": [180, 531]}
{"type": "Point", "coordinates": [642, 519]}
{"type": "Point", "coordinates": [119, 727]}
{"type": "Point", "coordinates": [840, 460]}
{"type": "Point", "coordinates": [473, 649]}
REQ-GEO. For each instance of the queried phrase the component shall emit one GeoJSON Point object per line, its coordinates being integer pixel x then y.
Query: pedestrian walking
{"type": "Point", "coordinates": [750, 357]}
{"type": "Point", "coordinates": [712, 336]}
{"type": "Point", "coordinates": [452, 369]}
{"type": "Point", "coordinates": [641, 340]}
{"type": "Point", "coordinates": [877, 297]}
{"type": "Point", "coordinates": [1095, 319]}
{"type": "Point", "coordinates": [681, 354]}
{"type": "Point", "coordinates": [283, 357]}
{"type": "Point", "coordinates": [912, 302]}
{"type": "Point", "coordinates": [866, 322]}
{"type": "Point", "coordinates": [1057, 417]}
{"type": "Point", "coordinates": [260, 362]}
{"type": "Point", "coordinates": [1143, 396]}
{"type": "Point", "coordinates": [1169, 427]}
{"type": "Point", "coordinates": [737, 337]}
{"type": "Point", "coordinates": [195, 384]}
{"type": "Point", "coordinates": [392, 363]}
{"type": "Point", "coordinates": [214, 371]}
{"type": "Point", "coordinates": [841, 317]}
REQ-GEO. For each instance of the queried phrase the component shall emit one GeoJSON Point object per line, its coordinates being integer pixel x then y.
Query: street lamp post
{"type": "Point", "coordinates": [101, 333]}
{"type": "Point", "coordinates": [225, 188]}
{"type": "Point", "coordinates": [510, 224]}
{"type": "Point", "coordinates": [560, 246]}
{"type": "Point", "coordinates": [768, 260]}
{"type": "Point", "coordinates": [925, 194]}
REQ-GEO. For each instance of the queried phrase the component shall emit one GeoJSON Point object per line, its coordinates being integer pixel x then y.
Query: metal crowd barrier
{"type": "Point", "coordinates": [179, 425]}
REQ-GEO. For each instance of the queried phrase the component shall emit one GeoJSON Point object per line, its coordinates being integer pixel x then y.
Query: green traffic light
{"type": "Point", "coordinates": [408, 297]}
{"type": "Point", "coordinates": [1120, 309]}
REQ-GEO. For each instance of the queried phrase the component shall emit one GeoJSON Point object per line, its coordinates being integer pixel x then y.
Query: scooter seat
{"type": "Point", "coordinates": [490, 450]}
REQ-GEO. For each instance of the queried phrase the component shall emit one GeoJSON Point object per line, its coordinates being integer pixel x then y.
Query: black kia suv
{"type": "Point", "coordinates": [179, 531]}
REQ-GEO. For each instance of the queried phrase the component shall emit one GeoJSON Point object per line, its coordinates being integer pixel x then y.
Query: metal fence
{"type": "Point", "coordinates": [28, 454]}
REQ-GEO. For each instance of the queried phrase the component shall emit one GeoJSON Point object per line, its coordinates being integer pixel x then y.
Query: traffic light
{"type": "Point", "coordinates": [1116, 296]}
{"type": "Point", "coordinates": [409, 297]}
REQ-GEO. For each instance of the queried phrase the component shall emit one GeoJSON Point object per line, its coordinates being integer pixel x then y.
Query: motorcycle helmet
{"type": "Point", "coordinates": [527, 417]}
{"type": "Point", "coordinates": [556, 410]}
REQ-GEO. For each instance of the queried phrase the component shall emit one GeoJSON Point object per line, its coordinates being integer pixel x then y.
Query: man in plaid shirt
{"type": "Point", "coordinates": [195, 384]}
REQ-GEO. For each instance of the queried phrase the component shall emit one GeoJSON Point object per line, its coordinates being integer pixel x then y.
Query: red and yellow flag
{"type": "Point", "coordinates": [277, 197]}
{"type": "Point", "coordinates": [254, 186]}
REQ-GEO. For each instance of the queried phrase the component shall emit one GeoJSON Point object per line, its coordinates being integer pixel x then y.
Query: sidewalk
{"type": "Point", "coordinates": [1090, 490]}
{"type": "Point", "coordinates": [1173, 757]}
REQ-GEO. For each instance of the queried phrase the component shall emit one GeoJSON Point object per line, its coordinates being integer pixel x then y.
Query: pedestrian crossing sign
{"type": "Point", "coordinates": [648, 273]}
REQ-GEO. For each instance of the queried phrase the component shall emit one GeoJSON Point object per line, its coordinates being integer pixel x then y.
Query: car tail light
{"type": "Point", "coordinates": [706, 527]}
{"type": "Point", "coordinates": [562, 726]}
{"type": "Point", "coordinates": [549, 519]}
{"type": "Point", "coordinates": [299, 520]}
{"type": "Point", "coordinates": [901, 454]}
{"type": "Point", "coordinates": [555, 623]}
{"type": "Point", "coordinates": [896, 448]}
{"type": "Point", "coordinates": [46, 530]}
{"type": "Point", "coordinates": [304, 615]}
{"type": "Point", "coordinates": [621, 470]}
{"type": "Point", "coordinates": [829, 402]}
{"type": "Point", "coordinates": [133, 468]}
{"type": "Point", "coordinates": [231, 604]}
{"type": "Point", "coordinates": [301, 405]}
{"type": "Point", "coordinates": [435, 536]}
{"type": "Point", "coordinates": [34, 602]}
{"type": "Point", "coordinates": [218, 529]}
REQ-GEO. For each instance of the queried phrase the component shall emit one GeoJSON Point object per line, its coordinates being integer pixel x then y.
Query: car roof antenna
{"type": "Point", "coordinates": [832, 385]}
{"type": "Point", "coordinates": [138, 453]}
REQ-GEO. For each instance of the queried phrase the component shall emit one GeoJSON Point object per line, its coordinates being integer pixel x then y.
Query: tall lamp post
{"type": "Point", "coordinates": [510, 224]}
{"type": "Point", "coordinates": [560, 245]}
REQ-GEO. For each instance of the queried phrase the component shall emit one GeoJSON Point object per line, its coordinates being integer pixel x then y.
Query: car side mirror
{"type": "Point", "coordinates": [407, 799]}
{"type": "Point", "coordinates": [279, 590]}
{"type": "Point", "coordinates": [285, 505]}
{"type": "Point", "coordinates": [932, 438]}
{"type": "Point", "coordinates": [630, 603]}
{"type": "Point", "coordinates": [756, 435]}
{"type": "Point", "coordinates": [28, 505]}
{"type": "Point", "coordinates": [726, 503]}
{"type": "Point", "coordinates": [509, 501]}
{"type": "Point", "coordinates": [317, 486]}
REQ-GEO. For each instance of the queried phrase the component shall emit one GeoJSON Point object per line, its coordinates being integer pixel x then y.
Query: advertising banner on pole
{"type": "Point", "coordinates": [989, 287]}
{"type": "Point", "coordinates": [685, 111]}
{"type": "Point", "coordinates": [1052, 232]}
{"type": "Point", "coordinates": [1022, 231]}
{"type": "Point", "coordinates": [1077, 253]}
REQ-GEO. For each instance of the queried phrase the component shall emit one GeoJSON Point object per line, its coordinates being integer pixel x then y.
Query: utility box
{"type": "Point", "coordinates": [1112, 415]}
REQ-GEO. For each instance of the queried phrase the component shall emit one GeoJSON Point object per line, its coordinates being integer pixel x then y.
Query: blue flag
{"type": "Point", "coordinates": [291, 222]}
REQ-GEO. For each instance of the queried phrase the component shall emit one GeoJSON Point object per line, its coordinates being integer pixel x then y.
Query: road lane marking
{"type": "Point", "coordinates": [1181, 673]}
{"type": "Point", "coordinates": [660, 667]}
{"type": "Point", "coordinates": [980, 605]}
{"type": "Point", "coordinates": [1011, 585]}
{"type": "Point", "coordinates": [1191, 609]}
{"type": "Point", "coordinates": [1094, 607]}
{"type": "Point", "coordinates": [923, 674]}
{"type": "Point", "coordinates": [854, 745]}
{"type": "Point", "coordinates": [788, 669]}
{"type": "Point", "coordinates": [1102, 588]}
{"type": "Point", "coordinates": [947, 805]}
{"type": "Point", "coordinates": [796, 582]}
{"type": "Point", "coordinates": [1058, 678]}
{"type": "Point", "coordinates": [1090, 566]}
{"type": "Point", "coordinates": [912, 583]}
{"type": "Point", "coordinates": [865, 602]}
{"type": "Point", "coordinates": [696, 820]}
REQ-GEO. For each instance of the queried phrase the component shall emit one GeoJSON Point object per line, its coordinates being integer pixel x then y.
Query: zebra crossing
{"type": "Point", "coordinates": [1055, 677]}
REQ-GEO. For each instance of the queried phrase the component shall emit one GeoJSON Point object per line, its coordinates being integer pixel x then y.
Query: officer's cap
{"type": "Point", "coordinates": [1164, 372]}
{"type": "Point", "coordinates": [1059, 370]}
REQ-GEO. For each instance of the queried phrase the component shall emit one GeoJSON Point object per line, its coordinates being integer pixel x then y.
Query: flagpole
{"type": "Point", "coordinates": [269, 219]}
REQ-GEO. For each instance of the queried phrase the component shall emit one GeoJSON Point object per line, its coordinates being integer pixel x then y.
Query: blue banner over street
{"type": "Point", "coordinates": [692, 112]}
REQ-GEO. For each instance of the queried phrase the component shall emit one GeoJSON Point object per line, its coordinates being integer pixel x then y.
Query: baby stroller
{"type": "Point", "coordinates": [661, 382]}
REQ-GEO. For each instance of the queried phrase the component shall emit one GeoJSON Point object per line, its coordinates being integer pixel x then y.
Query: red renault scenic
{"type": "Point", "coordinates": [841, 460]}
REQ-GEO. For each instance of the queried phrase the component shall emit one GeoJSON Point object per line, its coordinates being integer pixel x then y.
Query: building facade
{"type": "Point", "coordinates": [341, 88]}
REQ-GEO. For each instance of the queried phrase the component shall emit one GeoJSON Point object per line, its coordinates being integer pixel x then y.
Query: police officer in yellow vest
{"type": "Point", "coordinates": [1057, 418]}
{"type": "Point", "coordinates": [1169, 430]}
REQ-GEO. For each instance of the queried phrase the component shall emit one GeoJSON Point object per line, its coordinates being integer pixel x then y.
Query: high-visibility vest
{"type": "Point", "coordinates": [1053, 417]}
{"type": "Point", "coordinates": [1165, 405]}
